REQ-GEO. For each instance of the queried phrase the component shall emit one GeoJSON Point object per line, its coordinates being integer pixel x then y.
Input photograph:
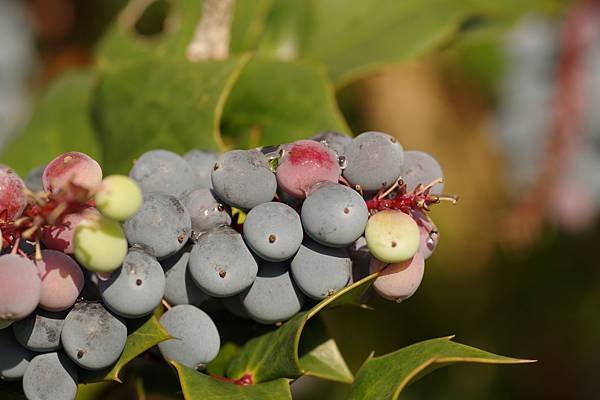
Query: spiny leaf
{"type": "Point", "coordinates": [385, 377]}
{"type": "Point", "coordinates": [227, 353]}
{"type": "Point", "coordinates": [276, 354]}
{"type": "Point", "coordinates": [92, 391]}
{"type": "Point", "coordinates": [196, 385]}
{"type": "Point", "coordinates": [143, 334]}
{"type": "Point", "coordinates": [60, 122]}
{"type": "Point", "coordinates": [319, 355]}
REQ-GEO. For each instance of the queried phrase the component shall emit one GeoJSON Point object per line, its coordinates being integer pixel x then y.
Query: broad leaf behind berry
{"type": "Point", "coordinates": [161, 103]}
{"type": "Point", "coordinates": [60, 122]}
{"type": "Point", "coordinates": [275, 102]}
{"type": "Point", "coordinates": [248, 23]}
{"type": "Point", "coordinates": [122, 45]}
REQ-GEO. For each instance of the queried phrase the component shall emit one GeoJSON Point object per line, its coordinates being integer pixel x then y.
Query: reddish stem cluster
{"type": "Point", "coordinates": [44, 209]}
{"type": "Point", "coordinates": [397, 198]}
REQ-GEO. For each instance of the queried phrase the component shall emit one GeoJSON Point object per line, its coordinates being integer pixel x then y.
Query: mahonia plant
{"type": "Point", "coordinates": [219, 262]}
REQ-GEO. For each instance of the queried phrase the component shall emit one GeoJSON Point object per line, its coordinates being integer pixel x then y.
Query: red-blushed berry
{"type": "Point", "coordinates": [305, 163]}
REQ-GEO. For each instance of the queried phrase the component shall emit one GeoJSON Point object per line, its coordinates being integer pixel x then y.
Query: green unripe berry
{"type": "Point", "coordinates": [392, 236]}
{"type": "Point", "coordinates": [100, 245]}
{"type": "Point", "coordinates": [119, 197]}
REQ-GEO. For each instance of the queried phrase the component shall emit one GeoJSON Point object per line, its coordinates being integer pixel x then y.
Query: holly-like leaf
{"type": "Point", "coordinates": [60, 122]}
{"type": "Point", "coordinates": [277, 102]}
{"type": "Point", "coordinates": [196, 385]}
{"type": "Point", "coordinates": [228, 352]}
{"type": "Point", "coordinates": [276, 354]}
{"type": "Point", "coordinates": [92, 391]}
{"type": "Point", "coordinates": [161, 103]}
{"type": "Point", "coordinates": [319, 355]}
{"type": "Point", "coordinates": [385, 377]}
{"type": "Point", "coordinates": [143, 334]}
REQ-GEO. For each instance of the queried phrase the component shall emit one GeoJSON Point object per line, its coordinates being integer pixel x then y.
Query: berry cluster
{"type": "Point", "coordinates": [264, 230]}
{"type": "Point", "coordinates": [65, 217]}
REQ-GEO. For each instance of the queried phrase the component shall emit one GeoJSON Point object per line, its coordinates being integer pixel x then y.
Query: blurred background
{"type": "Point", "coordinates": [511, 115]}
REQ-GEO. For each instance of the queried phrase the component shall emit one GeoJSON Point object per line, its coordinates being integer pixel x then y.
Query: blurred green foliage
{"type": "Point", "coordinates": [144, 93]}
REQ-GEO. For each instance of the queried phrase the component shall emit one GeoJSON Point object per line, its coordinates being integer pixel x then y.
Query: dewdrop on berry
{"type": "Point", "coordinates": [392, 236]}
{"type": "Point", "coordinates": [119, 197]}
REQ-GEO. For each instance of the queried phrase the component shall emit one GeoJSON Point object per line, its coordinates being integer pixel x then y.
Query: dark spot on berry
{"type": "Point", "coordinates": [393, 140]}
{"type": "Point", "coordinates": [346, 210]}
{"type": "Point", "coordinates": [394, 244]}
{"type": "Point", "coordinates": [138, 282]}
{"type": "Point", "coordinates": [80, 354]}
{"type": "Point", "coordinates": [181, 237]}
{"type": "Point", "coordinates": [216, 166]}
{"type": "Point", "coordinates": [272, 238]}
{"type": "Point", "coordinates": [221, 208]}
{"type": "Point", "coordinates": [222, 273]}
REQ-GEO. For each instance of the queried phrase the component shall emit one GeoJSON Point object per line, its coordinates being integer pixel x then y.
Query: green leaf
{"type": "Point", "coordinates": [354, 38]}
{"type": "Point", "coordinates": [277, 102]}
{"type": "Point", "coordinates": [385, 377]}
{"type": "Point", "coordinates": [162, 103]}
{"type": "Point", "coordinates": [121, 44]}
{"type": "Point", "coordinates": [248, 24]}
{"type": "Point", "coordinates": [196, 385]}
{"type": "Point", "coordinates": [92, 391]}
{"type": "Point", "coordinates": [288, 25]}
{"type": "Point", "coordinates": [60, 122]}
{"type": "Point", "coordinates": [319, 355]}
{"type": "Point", "coordinates": [143, 334]}
{"type": "Point", "coordinates": [381, 32]}
{"type": "Point", "coordinates": [276, 354]}
{"type": "Point", "coordinates": [227, 353]}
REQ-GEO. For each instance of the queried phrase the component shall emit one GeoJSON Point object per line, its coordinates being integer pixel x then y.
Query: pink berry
{"type": "Point", "coordinates": [12, 194]}
{"type": "Point", "coordinates": [74, 167]}
{"type": "Point", "coordinates": [61, 237]}
{"type": "Point", "coordinates": [305, 163]}
{"type": "Point", "coordinates": [62, 280]}
{"type": "Point", "coordinates": [398, 281]}
{"type": "Point", "coordinates": [20, 287]}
